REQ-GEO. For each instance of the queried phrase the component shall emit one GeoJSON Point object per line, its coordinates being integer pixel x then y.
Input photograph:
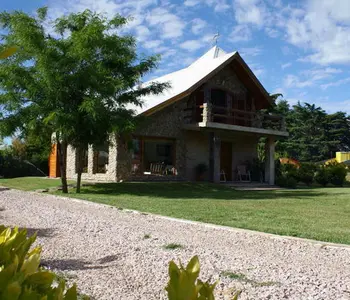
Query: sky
{"type": "Point", "coordinates": [298, 48]}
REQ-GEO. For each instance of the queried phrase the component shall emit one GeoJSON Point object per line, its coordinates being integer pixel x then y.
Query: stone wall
{"type": "Point", "coordinates": [168, 123]}
{"type": "Point", "coordinates": [110, 175]}
{"type": "Point", "coordinates": [228, 79]}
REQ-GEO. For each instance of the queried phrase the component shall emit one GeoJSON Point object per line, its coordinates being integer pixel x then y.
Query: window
{"type": "Point", "coordinates": [158, 156]}
{"type": "Point", "coordinates": [218, 97]}
{"type": "Point", "coordinates": [101, 158]}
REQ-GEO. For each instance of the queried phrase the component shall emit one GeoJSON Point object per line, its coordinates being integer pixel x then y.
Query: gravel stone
{"type": "Point", "coordinates": [103, 250]}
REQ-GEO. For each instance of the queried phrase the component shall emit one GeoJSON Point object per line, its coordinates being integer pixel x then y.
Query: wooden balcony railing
{"type": "Point", "coordinates": [210, 113]}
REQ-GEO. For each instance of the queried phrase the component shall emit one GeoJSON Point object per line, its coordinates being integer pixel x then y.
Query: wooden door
{"type": "Point", "coordinates": [226, 159]}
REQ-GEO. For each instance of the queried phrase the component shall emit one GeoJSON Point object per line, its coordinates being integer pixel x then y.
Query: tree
{"type": "Point", "coordinates": [76, 83]}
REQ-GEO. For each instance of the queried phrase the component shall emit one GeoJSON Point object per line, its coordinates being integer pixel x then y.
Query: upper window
{"type": "Point", "coordinates": [218, 97]}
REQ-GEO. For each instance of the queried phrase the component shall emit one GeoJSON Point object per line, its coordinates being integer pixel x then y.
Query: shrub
{"type": "Point", "coordinates": [184, 283]}
{"type": "Point", "coordinates": [287, 176]}
{"type": "Point", "coordinates": [337, 173]}
{"type": "Point", "coordinates": [306, 173]}
{"type": "Point", "coordinates": [20, 273]}
{"type": "Point", "coordinates": [322, 175]}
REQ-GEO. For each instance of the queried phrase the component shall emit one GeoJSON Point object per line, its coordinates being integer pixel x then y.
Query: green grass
{"type": "Point", "coordinates": [146, 236]}
{"type": "Point", "coordinates": [30, 183]}
{"type": "Point", "coordinates": [243, 278]}
{"type": "Point", "coordinates": [172, 246]}
{"type": "Point", "coordinates": [315, 213]}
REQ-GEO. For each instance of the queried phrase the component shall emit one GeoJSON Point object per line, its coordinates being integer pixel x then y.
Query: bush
{"type": "Point", "coordinates": [337, 173]}
{"type": "Point", "coordinates": [20, 272]}
{"type": "Point", "coordinates": [306, 173]}
{"type": "Point", "coordinates": [287, 176]}
{"type": "Point", "coordinates": [322, 175]}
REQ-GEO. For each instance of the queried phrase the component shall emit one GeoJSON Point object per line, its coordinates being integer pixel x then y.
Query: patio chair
{"type": "Point", "coordinates": [157, 168]}
{"type": "Point", "coordinates": [243, 173]}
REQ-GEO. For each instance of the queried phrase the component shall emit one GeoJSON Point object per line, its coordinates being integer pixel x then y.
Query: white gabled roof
{"type": "Point", "coordinates": [182, 80]}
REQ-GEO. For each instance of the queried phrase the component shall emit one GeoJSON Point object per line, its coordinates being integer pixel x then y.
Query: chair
{"type": "Point", "coordinates": [222, 175]}
{"type": "Point", "coordinates": [243, 173]}
{"type": "Point", "coordinates": [157, 168]}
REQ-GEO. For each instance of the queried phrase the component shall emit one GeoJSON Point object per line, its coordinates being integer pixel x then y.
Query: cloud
{"type": "Point", "coordinates": [250, 12]}
{"type": "Point", "coordinates": [142, 33]}
{"type": "Point", "coordinates": [335, 83]}
{"type": "Point", "coordinates": [240, 33]}
{"type": "Point", "coordinates": [152, 44]}
{"type": "Point", "coordinates": [170, 24]}
{"type": "Point", "coordinates": [198, 25]}
{"type": "Point", "coordinates": [322, 27]}
{"type": "Point", "coordinates": [251, 51]}
{"type": "Point", "coordinates": [191, 45]}
{"type": "Point", "coordinates": [191, 3]}
{"type": "Point", "coordinates": [286, 65]}
{"type": "Point", "coordinates": [312, 77]}
{"type": "Point", "coordinates": [271, 32]}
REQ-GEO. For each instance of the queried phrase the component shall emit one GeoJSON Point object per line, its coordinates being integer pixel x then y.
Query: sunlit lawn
{"type": "Point", "coordinates": [316, 213]}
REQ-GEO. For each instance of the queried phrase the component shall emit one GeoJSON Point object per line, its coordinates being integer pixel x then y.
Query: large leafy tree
{"type": "Point", "coordinates": [76, 81]}
{"type": "Point", "coordinates": [314, 135]}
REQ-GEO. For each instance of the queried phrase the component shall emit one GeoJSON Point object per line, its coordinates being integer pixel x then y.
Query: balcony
{"type": "Point", "coordinates": [219, 117]}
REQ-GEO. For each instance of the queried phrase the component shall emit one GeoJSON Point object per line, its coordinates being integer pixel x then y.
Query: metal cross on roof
{"type": "Point", "coordinates": [215, 38]}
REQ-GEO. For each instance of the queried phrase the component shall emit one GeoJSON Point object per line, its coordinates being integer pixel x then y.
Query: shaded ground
{"type": "Point", "coordinates": [315, 213]}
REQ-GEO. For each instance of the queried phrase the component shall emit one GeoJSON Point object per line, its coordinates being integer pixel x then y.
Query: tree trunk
{"type": "Point", "coordinates": [79, 168]}
{"type": "Point", "coordinates": [62, 151]}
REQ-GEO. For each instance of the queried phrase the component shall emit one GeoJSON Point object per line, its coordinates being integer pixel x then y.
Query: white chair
{"type": "Point", "coordinates": [243, 173]}
{"type": "Point", "coordinates": [222, 175]}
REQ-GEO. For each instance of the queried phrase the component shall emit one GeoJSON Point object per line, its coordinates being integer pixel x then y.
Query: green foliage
{"type": "Point", "coordinates": [146, 236]}
{"type": "Point", "coordinates": [314, 135]}
{"type": "Point", "coordinates": [306, 173]}
{"type": "Point", "coordinates": [21, 276]}
{"type": "Point", "coordinates": [78, 81]}
{"type": "Point", "coordinates": [322, 175]}
{"type": "Point", "coordinates": [184, 283]}
{"type": "Point", "coordinates": [287, 175]}
{"type": "Point", "coordinates": [173, 246]}
{"type": "Point", "coordinates": [337, 173]}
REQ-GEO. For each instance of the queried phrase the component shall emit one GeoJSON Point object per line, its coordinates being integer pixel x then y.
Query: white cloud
{"type": "Point", "coordinates": [240, 33]}
{"type": "Point", "coordinates": [286, 65]}
{"type": "Point", "coordinates": [142, 33]}
{"type": "Point", "coordinates": [251, 51]}
{"type": "Point", "coordinates": [191, 3]}
{"type": "Point", "coordinates": [271, 32]}
{"type": "Point", "coordinates": [322, 27]}
{"type": "Point", "coordinates": [335, 83]}
{"type": "Point", "coordinates": [198, 25]}
{"type": "Point", "coordinates": [250, 12]}
{"type": "Point", "coordinates": [191, 45]}
{"type": "Point", "coordinates": [312, 77]}
{"type": "Point", "coordinates": [152, 44]}
{"type": "Point", "coordinates": [170, 24]}
{"type": "Point", "coordinates": [293, 81]}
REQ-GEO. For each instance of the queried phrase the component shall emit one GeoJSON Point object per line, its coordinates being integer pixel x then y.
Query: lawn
{"type": "Point", "coordinates": [315, 213]}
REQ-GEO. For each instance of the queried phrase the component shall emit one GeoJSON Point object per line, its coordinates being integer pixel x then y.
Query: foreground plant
{"type": "Point", "coordinates": [21, 277]}
{"type": "Point", "coordinates": [185, 285]}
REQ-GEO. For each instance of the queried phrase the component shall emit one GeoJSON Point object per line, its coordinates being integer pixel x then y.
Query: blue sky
{"type": "Point", "coordinates": [298, 48]}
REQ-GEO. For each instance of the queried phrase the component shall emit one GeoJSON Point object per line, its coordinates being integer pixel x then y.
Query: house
{"type": "Point", "coordinates": [211, 115]}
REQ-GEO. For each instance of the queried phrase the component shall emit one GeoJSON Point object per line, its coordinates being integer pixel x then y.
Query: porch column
{"type": "Point", "coordinates": [270, 161]}
{"type": "Point", "coordinates": [214, 157]}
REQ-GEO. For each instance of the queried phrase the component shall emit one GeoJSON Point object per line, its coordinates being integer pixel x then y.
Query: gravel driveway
{"type": "Point", "coordinates": [104, 250]}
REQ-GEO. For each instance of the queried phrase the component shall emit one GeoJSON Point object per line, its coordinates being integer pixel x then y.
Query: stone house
{"type": "Point", "coordinates": [210, 116]}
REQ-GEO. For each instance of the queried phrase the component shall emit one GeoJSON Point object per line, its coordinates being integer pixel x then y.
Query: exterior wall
{"type": "Point", "coordinates": [228, 80]}
{"type": "Point", "coordinates": [168, 123]}
{"type": "Point", "coordinates": [197, 144]}
{"type": "Point", "coordinates": [110, 175]}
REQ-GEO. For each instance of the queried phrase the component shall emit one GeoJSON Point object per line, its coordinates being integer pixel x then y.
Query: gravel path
{"type": "Point", "coordinates": [103, 249]}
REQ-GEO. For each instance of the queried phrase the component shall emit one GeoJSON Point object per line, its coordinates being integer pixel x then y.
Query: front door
{"type": "Point", "coordinates": [226, 160]}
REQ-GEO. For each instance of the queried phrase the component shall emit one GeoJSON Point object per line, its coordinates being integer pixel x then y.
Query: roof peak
{"type": "Point", "coordinates": [212, 53]}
